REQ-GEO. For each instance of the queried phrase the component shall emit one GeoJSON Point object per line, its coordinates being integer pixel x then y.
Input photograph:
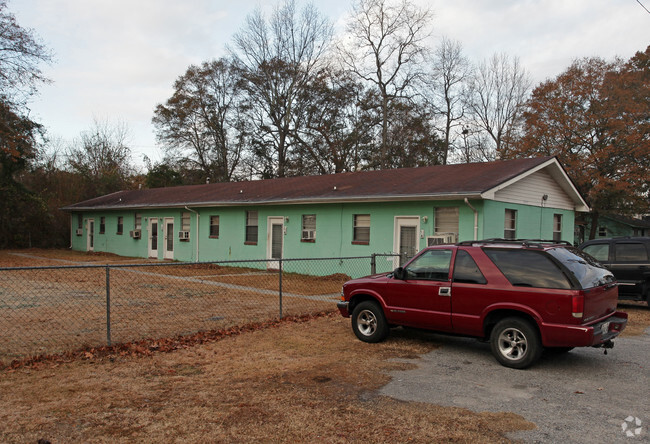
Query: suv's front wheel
{"type": "Point", "coordinates": [515, 343]}
{"type": "Point", "coordinates": [369, 323]}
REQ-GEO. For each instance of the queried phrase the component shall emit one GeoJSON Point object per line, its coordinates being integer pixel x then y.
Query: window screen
{"type": "Point", "coordinates": [361, 228]}
{"type": "Point", "coordinates": [214, 226]}
{"type": "Point", "coordinates": [251, 227]}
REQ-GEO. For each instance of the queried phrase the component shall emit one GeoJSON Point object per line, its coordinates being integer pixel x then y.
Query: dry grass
{"type": "Point", "coordinates": [53, 310]}
{"type": "Point", "coordinates": [638, 317]}
{"type": "Point", "coordinates": [300, 382]}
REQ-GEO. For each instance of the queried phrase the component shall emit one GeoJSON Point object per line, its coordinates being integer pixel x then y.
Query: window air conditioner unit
{"type": "Point", "coordinates": [184, 235]}
{"type": "Point", "coordinates": [441, 239]}
{"type": "Point", "coordinates": [135, 234]}
{"type": "Point", "coordinates": [308, 234]}
{"type": "Point", "coordinates": [80, 231]}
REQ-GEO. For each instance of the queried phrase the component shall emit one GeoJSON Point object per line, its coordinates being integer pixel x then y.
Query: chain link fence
{"type": "Point", "coordinates": [46, 310]}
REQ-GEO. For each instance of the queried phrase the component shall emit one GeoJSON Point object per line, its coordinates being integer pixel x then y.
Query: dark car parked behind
{"type": "Point", "coordinates": [629, 259]}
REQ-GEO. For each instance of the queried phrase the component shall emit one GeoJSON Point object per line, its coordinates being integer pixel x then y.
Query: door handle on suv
{"type": "Point", "coordinates": [444, 291]}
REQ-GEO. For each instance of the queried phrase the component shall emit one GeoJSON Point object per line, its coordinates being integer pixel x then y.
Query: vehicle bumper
{"type": "Point", "coordinates": [343, 307]}
{"type": "Point", "coordinates": [594, 335]}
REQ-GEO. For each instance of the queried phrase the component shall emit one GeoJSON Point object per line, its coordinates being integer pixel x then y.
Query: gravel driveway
{"type": "Point", "coordinates": [579, 397]}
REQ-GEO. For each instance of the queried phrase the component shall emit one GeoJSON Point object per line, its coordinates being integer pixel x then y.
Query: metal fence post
{"type": "Point", "coordinates": [108, 305]}
{"type": "Point", "coordinates": [373, 263]}
{"type": "Point", "coordinates": [280, 286]}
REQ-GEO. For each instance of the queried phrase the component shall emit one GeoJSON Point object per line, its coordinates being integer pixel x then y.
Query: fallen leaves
{"type": "Point", "coordinates": [147, 347]}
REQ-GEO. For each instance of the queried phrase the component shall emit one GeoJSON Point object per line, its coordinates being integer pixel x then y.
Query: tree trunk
{"type": "Point", "coordinates": [594, 225]}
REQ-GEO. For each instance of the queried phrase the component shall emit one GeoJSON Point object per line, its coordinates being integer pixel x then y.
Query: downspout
{"type": "Point", "coordinates": [475, 218]}
{"type": "Point", "coordinates": [198, 218]}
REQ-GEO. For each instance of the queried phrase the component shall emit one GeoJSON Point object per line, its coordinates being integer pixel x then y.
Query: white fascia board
{"type": "Point", "coordinates": [326, 200]}
{"type": "Point", "coordinates": [557, 172]}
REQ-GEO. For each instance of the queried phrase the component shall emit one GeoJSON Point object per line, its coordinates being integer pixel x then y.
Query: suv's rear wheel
{"type": "Point", "coordinates": [515, 343]}
{"type": "Point", "coordinates": [369, 323]}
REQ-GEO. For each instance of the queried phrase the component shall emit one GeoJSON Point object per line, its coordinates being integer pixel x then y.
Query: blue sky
{"type": "Point", "coordinates": [117, 59]}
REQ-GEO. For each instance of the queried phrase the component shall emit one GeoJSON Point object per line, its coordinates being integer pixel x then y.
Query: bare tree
{"type": "Point", "coordinates": [102, 157]}
{"type": "Point", "coordinates": [385, 46]}
{"type": "Point", "coordinates": [20, 56]}
{"type": "Point", "coordinates": [278, 58]}
{"type": "Point", "coordinates": [201, 125]}
{"type": "Point", "coordinates": [450, 72]}
{"type": "Point", "coordinates": [498, 90]}
{"type": "Point", "coordinates": [333, 138]}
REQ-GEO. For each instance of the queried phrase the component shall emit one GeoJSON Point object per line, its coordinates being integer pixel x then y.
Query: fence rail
{"type": "Point", "coordinates": [51, 309]}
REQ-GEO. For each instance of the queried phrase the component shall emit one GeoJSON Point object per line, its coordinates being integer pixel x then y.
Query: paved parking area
{"type": "Point", "coordinates": [579, 397]}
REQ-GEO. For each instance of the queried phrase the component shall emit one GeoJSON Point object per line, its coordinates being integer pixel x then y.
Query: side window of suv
{"type": "Point", "coordinates": [528, 268]}
{"type": "Point", "coordinates": [466, 271]}
{"type": "Point", "coordinates": [630, 252]}
{"type": "Point", "coordinates": [432, 265]}
{"type": "Point", "coordinates": [600, 252]}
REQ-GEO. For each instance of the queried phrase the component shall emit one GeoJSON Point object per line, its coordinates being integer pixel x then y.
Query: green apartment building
{"type": "Point", "coordinates": [339, 215]}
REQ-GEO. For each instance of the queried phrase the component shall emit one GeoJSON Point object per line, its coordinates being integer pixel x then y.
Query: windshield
{"type": "Point", "coordinates": [587, 271]}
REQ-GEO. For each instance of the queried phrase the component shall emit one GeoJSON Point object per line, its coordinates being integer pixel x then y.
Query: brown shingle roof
{"type": "Point", "coordinates": [435, 182]}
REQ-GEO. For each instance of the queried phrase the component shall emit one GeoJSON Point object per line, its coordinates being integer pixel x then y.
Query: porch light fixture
{"type": "Point", "coordinates": [425, 219]}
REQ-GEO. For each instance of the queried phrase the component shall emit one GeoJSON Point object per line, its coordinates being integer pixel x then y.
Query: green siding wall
{"type": "Point", "coordinates": [334, 228]}
{"type": "Point", "coordinates": [532, 222]}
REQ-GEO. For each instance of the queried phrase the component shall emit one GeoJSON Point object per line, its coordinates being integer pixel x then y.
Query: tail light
{"type": "Point", "coordinates": [578, 306]}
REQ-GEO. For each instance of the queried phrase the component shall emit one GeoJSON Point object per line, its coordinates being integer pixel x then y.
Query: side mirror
{"type": "Point", "coordinates": [399, 273]}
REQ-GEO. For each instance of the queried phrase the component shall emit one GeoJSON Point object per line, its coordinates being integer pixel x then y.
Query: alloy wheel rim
{"type": "Point", "coordinates": [513, 344]}
{"type": "Point", "coordinates": [367, 322]}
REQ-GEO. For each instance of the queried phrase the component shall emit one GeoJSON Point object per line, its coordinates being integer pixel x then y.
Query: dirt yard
{"type": "Point", "coordinates": [55, 309]}
{"type": "Point", "coordinates": [304, 381]}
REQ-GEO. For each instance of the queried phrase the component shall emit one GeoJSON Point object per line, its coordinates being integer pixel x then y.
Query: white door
{"type": "Point", "coordinates": [274, 242]}
{"type": "Point", "coordinates": [90, 235]}
{"type": "Point", "coordinates": [153, 237]}
{"type": "Point", "coordinates": [405, 238]}
{"type": "Point", "coordinates": [168, 241]}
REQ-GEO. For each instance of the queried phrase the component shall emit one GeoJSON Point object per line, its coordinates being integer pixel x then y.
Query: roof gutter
{"type": "Point", "coordinates": [198, 219]}
{"type": "Point", "coordinates": [325, 200]}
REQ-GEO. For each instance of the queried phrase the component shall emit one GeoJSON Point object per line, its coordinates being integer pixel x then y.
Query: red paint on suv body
{"type": "Point", "coordinates": [468, 288]}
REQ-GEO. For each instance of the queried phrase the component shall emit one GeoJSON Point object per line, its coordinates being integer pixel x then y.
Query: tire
{"type": "Point", "coordinates": [515, 343]}
{"type": "Point", "coordinates": [369, 323]}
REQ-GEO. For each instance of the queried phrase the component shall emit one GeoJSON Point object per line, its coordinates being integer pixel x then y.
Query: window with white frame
{"type": "Point", "coordinates": [308, 228]}
{"type": "Point", "coordinates": [251, 227]}
{"type": "Point", "coordinates": [557, 227]}
{"type": "Point", "coordinates": [214, 227]}
{"type": "Point", "coordinates": [120, 224]}
{"type": "Point", "coordinates": [137, 221]}
{"type": "Point", "coordinates": [510, 226]}
{"type": "Point", "coordinates": [185, 221]}
{"type": "Point", "coordinates": [361, 232]}
{"type": "Point", "coordinates": [102, 225]}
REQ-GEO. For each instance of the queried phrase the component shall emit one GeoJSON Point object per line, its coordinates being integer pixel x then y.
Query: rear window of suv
{"type": "Point", "coordinates": [587, 271]}
{"type": "Point", "coordinates": [528, 268]}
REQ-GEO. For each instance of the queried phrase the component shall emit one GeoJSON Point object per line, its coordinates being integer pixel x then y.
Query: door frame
{"type": "Point", "coordinates": [168, 254]}
{"type": "Point", "coordinates": [272, 264]}
{"type": "Point", "coordinates": [404, 221]}
{"type": "Point", "coordinates": [90, 234]}
{"type": "Point", "coordinates": [153, 254]}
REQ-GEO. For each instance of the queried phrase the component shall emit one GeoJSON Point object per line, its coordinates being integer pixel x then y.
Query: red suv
{"type": "Point", "coordinates": [522, 296]}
